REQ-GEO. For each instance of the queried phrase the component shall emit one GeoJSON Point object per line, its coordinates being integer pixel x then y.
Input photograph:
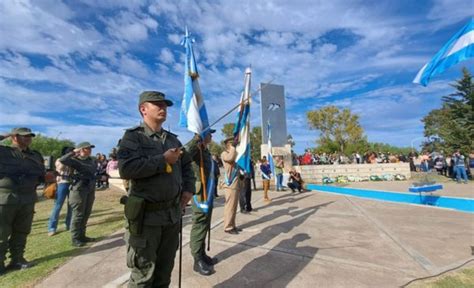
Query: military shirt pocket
{"type": "Point", "coordinates": [150, 149]}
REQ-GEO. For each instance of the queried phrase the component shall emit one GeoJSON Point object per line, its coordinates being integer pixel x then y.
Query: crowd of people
{"type": "Point", "coordinates": [310, 158]}
{"type": "Point", "coordinates": [456, 166]}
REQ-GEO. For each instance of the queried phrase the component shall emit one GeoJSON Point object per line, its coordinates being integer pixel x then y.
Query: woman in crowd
{"type": "Point", "coordinates": [62, 192]}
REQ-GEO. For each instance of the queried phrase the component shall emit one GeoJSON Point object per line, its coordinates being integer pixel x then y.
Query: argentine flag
{"type": "Point", "coordinates": [193, 113]}
{"type": "Point", "coordinates": [270, 155]}
{"type": "Point", "coordinates": [459, 48]}
{"type": "Point", "coordinates": [242, 127]}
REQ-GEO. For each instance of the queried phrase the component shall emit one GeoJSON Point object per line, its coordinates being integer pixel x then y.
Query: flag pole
{"type": "Point", "coordinates": [238, 105]}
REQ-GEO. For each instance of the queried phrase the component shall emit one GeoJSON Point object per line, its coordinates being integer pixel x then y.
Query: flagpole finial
{"type": "Point", "coordinates": [248, 70]}
{"type": "Point", "coordinates": [186, 33]}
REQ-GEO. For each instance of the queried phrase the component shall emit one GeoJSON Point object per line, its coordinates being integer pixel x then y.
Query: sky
{"type": "Point", "coordinates": [73, 69]}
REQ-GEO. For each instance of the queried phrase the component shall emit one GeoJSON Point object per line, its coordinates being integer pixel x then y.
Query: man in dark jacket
{"type": "Point", "coordinates": [21, 170]}
{"type": "Point", "coordinates": [161, 183]}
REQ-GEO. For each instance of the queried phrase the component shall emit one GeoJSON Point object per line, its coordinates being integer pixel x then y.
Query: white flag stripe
{"type": "Point", "coordinates": [463, 42]}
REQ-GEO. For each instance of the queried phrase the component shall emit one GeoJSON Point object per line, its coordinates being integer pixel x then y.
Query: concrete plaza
{"type": "Point", "coordinates": [311, 239]}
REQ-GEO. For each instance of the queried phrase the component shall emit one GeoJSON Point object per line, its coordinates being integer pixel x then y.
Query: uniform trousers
{"type": "Point", "coordinates": [230, 208]}
{"type": "Point", "coordinates": [81, 202]}
{"type": "Point", "coordinates": [199, 230]}
{"type": "Point", "coordinates": [151, 255]}
{"type": "Point", "coordinates": [15, 225]}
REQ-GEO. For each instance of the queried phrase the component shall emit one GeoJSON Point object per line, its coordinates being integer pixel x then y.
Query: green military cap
{"type": "Point", "coordinates": [150, 96]}
{"type": "Point", "coordinates": [23, 131]}
{"type": "Point", "coordinates": [84, 145]}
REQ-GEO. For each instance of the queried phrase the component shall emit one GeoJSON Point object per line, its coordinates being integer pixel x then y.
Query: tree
{"type": "Point", "coordinates": [256, 142]}
{"type": "Point", "coordinates": [338, 129]}
{"type": "Point", "coordinates": [47, 146]}
{"type": "Point", "coordinates": [452, 126]}
{"type": "Point", "coordinates": [215, 148]}
{"type": "Point", "coordinates": [255, 138]}
{"type": "Point", "coordinates": [228, 130]}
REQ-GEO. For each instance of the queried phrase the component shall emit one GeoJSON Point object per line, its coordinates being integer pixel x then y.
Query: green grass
{"type": "Point", "coordinates": [458, 279]}
{"type": "Point", "coordinates": [48, 253]}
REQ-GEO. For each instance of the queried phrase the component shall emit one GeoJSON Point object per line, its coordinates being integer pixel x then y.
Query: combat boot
{"type": "Point", "coordinates": [87, 239]}
{"type": "Point", "coordinates": [202, 267]}
{"type": "Point", "coordinates": [19, 264]}
{"type": "Point", "coordinates": [78, 243]}
{"type": "Point", "coordinates": [211, 261]}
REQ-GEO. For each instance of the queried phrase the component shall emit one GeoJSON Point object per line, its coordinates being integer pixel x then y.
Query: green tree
{"type": "Point", "coordinates": [255, 138]}
{"type": "Point", "coordinates": [228, 130]}
{"type": "Point", "coordinates": [452, 126]}
{"type": "Point", "coordinates": [215, 148]}
{"type": "Point", "coordinates": [47, 146]}
{"type": "Point", "coordinates": [338, 129]}
{"type": "Point", "coordinates": [256, 142]}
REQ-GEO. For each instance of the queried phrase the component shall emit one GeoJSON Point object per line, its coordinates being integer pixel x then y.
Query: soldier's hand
{"type": "Point", "coordinates": [185, 198]}
{"type": "Point", "coordinates": [172, 155]}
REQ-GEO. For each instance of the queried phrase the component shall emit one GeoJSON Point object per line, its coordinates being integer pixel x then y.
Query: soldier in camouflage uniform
{"type": "Point", "coordinates": [82, 191]}
{"type": "Point", "coordinates": [197, 148]}
{"type": "Point", "coordinates": [161, 183]}
{"type": "Point", "coordinates": [21, 170]}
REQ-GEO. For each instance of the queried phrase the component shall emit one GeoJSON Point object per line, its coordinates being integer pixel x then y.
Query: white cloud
{"type": "Point", "coordinates": [166, 56]}
{"type": "Point", "coordinates": [61, 54]}
{"type": "Point", "coordinates": [28, 28]}
{"type": "Point", "coordinates": [130, 27]}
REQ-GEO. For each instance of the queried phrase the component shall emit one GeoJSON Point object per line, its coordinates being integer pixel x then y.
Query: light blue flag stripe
{"type": "Point", "coordinates": [193, 114]}
{"type": "Point", "coordinates": [242, 127]}
{"type": "Point", "coordinates": [211, 183]}
{"type": "Point", "coordinates": [459, 48]}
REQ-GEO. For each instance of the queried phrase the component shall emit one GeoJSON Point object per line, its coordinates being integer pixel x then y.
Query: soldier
{"type": "Point", "coordinates": [161, 183]}
{"type": "Point", "coordinates": [21, 170]}
{"type": "Point", "coordinates": [197, 148]}
{"type": "Point", "coordinates": [82, 191]}
{"type": "Point", "coordinates": [232, 186]}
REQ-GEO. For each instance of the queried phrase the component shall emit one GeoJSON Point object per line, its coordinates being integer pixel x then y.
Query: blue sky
{"type": "Point", "coordinates": [74, 68]}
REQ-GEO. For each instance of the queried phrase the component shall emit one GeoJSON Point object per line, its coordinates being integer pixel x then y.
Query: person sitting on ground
{"type": "Point", "coordinates": [295, 181]}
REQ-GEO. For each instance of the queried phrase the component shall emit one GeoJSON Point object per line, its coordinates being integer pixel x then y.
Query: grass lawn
{"type": "Point", "coordinates": [50, 252]}
{"type": "Point", "coordinates": [462, 278]}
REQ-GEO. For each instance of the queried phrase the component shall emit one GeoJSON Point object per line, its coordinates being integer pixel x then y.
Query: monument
{"type": "Point", "coordinates": [273, 111]}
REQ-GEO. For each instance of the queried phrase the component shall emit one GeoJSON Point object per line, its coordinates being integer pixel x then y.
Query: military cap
{"type": "Point", "coordinates": [23, 131]}
{"type": "Point", "coordinates": [150, 96]}
{"type": "Point", "coordinates": [84, 145]}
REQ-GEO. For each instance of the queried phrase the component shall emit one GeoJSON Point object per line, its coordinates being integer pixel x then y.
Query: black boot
{"type": "Point", "coordinates": [78, 243]}
{"type": "Point", "coordinates": [211, 261]}
{"type": "Point", "coordinates": [201, 267]}
{"type": "Point", "coordinates": [87, 239]}
{"type": "Point", "coordinates": [19, 264]}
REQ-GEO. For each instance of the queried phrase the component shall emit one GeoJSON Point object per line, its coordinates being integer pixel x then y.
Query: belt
{"type": "Point", "coordinates": [159, 206]}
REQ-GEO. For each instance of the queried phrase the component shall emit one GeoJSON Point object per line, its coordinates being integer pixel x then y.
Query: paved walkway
{"type": "Point", "coordinates": [304, 240]}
